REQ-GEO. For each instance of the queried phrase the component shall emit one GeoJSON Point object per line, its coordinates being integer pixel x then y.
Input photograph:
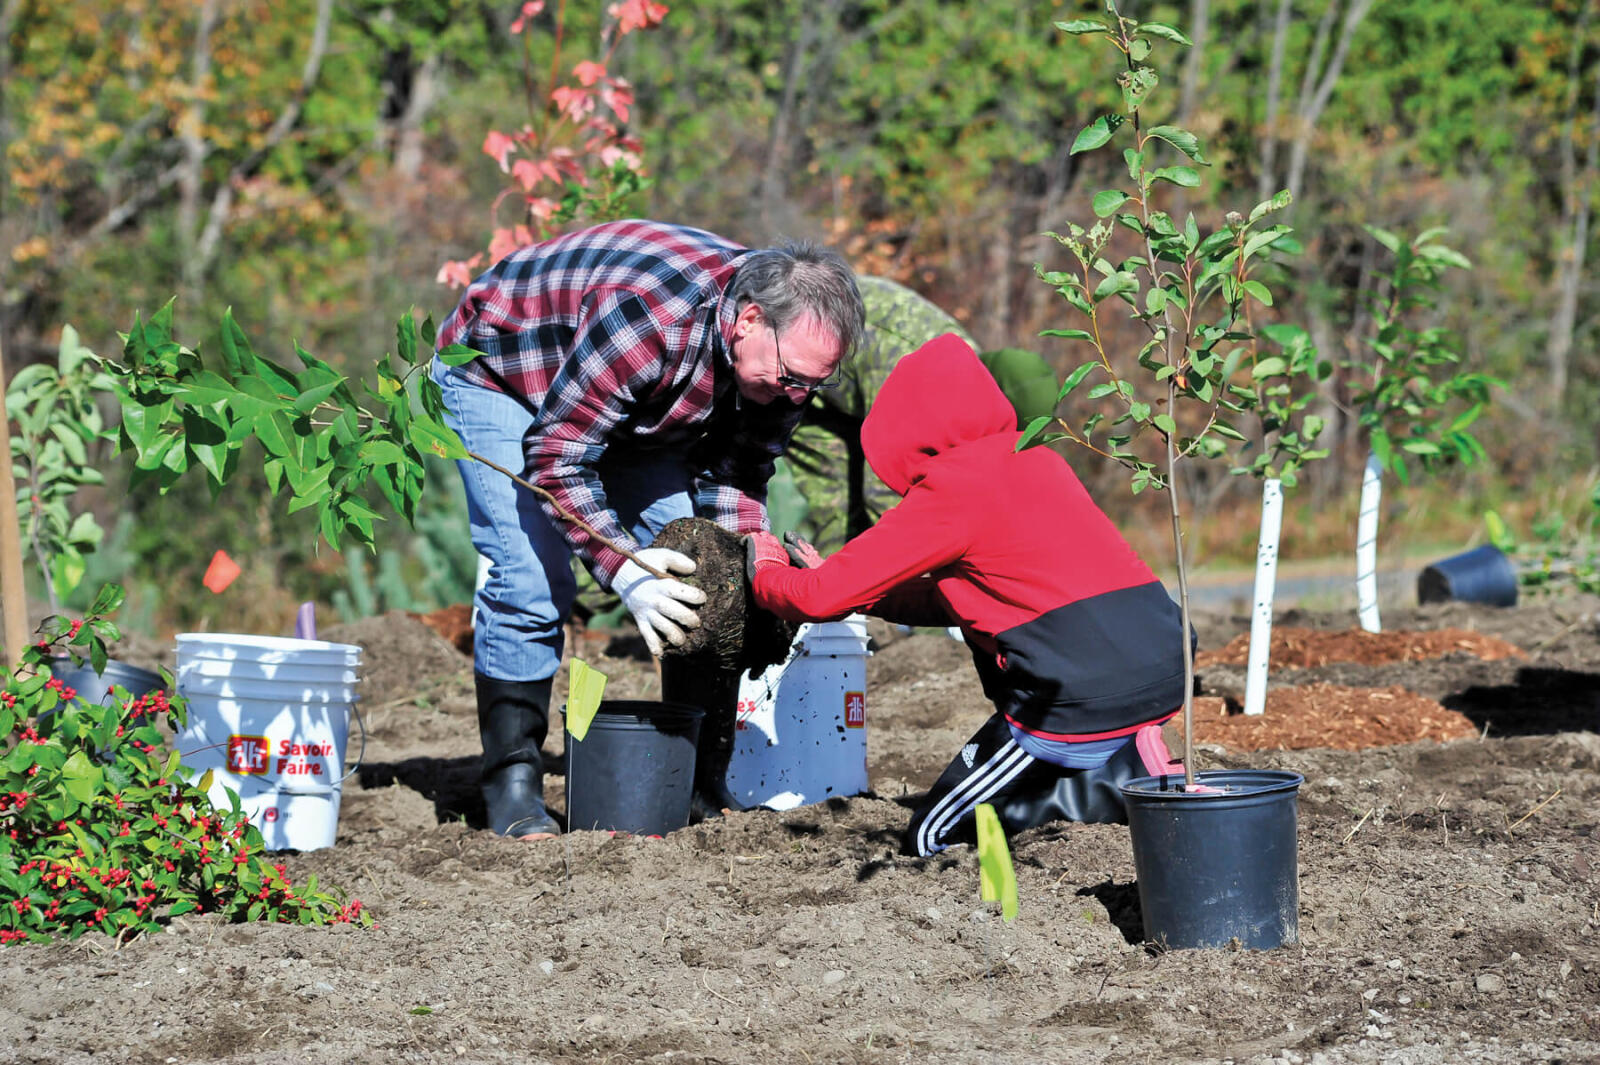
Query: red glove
{"type": "Point", "coordinates": [801, 553]}
{"type": "Point", "coordinates": [762, 549]}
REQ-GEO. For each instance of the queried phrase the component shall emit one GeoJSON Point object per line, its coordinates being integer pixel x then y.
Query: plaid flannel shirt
{"type": "Point", "coordinates": [620, 333]}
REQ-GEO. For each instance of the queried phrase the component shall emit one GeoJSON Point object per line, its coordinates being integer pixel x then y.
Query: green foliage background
{"type": "Point", "coordinates": [927, 139]}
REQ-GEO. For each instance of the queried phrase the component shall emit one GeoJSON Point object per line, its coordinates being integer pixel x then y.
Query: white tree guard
{"type": "Point", "coordinates": [1367, 545]}
{"type": "Point", "coordinates": [1255, 690]}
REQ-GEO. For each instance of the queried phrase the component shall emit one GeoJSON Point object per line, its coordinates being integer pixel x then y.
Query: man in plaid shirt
{"type": "Point", "coordinates": [639, 372]}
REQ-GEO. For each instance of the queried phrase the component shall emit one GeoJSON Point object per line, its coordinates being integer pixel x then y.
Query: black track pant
{"type": "Point", "coordinates": [1025, 791]}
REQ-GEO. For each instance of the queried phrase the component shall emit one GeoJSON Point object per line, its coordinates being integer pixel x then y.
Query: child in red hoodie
{"type": "Point", "coordinates": [1075, 640]}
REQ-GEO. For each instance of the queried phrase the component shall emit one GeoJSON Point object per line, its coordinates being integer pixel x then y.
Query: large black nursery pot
{"type": "Point", "coordinates": [634, 769]}
{"type": "Point", "coordinates": [95, 687]}
{"type": "Point", "coordinates": [1220, 865]}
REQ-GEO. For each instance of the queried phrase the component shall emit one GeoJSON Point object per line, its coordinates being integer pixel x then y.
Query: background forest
{"type": "Point", "coordinates": [314, 163]}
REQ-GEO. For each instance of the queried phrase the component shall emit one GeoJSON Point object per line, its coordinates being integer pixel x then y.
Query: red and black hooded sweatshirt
{"type": "Point", "coordinates": [1082, 637]}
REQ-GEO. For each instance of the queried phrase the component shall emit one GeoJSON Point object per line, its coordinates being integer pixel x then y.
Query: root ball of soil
{"type": "Point", "coordinates": [734, 632]}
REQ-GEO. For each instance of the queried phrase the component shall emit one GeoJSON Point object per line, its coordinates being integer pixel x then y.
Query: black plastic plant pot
{"type": "Point", "coordinates": [1482, 575]}
{"type": "Point", "coordinates": [1217, 866]}
{"type": "Point", "coordinates": [634, 769]}
{"type": "Point", "coordinates": [95, 687]}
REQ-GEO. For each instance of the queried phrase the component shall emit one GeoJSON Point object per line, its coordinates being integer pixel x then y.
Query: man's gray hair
{"type": "Point", "coordinates": [797, 278]}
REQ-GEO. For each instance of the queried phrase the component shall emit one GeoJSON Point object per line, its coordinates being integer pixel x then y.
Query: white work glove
{"type": "Point", "coordinates": [657, 603]}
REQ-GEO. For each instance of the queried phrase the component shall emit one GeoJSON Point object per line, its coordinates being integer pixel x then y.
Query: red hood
{"type": "Point", "coordinates": [936, 398]}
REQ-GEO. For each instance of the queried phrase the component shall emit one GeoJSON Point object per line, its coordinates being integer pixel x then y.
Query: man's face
{"type": "Point", "coordinates": [767, 366]}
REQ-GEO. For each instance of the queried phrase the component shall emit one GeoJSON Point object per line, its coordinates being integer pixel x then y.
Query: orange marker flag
{"type": "Point", "coordinates": [221, 573]}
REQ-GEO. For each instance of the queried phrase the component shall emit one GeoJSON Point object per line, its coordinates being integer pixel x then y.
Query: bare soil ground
{"type": "Point", "coordinates": [1448, 892]}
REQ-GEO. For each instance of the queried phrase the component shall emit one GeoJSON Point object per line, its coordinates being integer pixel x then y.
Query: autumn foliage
{"type": "Point", "coordinates": [571, 162]}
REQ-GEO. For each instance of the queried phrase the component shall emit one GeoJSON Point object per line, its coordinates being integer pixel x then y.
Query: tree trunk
{"type": "Point", "coordinates": [191, 135]}
{"type": "Point", "coordinates": [1267, 179]}
{"type": "Point", "coordinates": [408, 142]}
{"type": "Point", "coordinates": [222, 201]}
{"type": "Point", "coordinates": [1311, 106]}
{"type": "Point", "coordinates": [1199, 27]}
{"type": "Point", "coordinates": [1577, 192]}
{"type": "Point", "coordinates": [774, 183]}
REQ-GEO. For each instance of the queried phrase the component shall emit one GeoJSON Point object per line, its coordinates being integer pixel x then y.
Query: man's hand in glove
{"type": "Point", "coordinates": [762, 549]}
{"type": "Point", "coordinates": [801, 553]}
{"type": "Point", "coordinates": [658, 603]}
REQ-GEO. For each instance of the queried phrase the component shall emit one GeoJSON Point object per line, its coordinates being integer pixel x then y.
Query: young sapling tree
{"type": "Point", "coordinates": [1412, 400]}
{"type": "Point", "coordinates": [1186, 293]}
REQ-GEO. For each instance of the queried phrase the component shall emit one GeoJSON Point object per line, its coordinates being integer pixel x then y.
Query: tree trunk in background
{"type": "Point", "coordinates": [994, 320]}
{"type": "Point", "coordinates": [1041, 299]}
{"type": "Point", "coordinates": [1577, 192]}
{"type": "Point", "coordinates": [1267, 178]}
{"type": "Point", "coordinates": [210, 241]}
{"type": "Point", "coordinates": [1312, 101]}
{"type": "Point", "coordinates": [407, 142]}
{"type": "Point", "coordinates": [785, 127]}
{"type": "Point", "coordinates": [191, 135]}
{"type": "Point", "coordinates": [1199, 27]}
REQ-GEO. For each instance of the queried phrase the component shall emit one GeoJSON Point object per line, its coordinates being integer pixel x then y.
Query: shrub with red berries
{"type": "Point", "coordinates": [101, 829]}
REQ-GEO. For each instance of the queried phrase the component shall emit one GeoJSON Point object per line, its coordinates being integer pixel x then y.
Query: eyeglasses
{"type": "Point", "coordinates": [786, 379]}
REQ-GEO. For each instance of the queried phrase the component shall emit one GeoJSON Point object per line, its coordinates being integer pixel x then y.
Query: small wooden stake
{"type": "Point", "coordinates": [13, 589]}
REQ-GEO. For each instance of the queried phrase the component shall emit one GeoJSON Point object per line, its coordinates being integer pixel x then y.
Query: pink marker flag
{"type": "Point", "coordinates": [221, 573]}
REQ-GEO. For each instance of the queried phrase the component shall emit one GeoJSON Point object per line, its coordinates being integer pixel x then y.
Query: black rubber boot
{"type": "Point", "coordinates": [513, 717]}
{"type": "Point", "coordinates": [1092, 796]}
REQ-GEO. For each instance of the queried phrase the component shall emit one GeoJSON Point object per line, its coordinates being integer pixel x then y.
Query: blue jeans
{"type": "Point", "coordinates": [519, 612]}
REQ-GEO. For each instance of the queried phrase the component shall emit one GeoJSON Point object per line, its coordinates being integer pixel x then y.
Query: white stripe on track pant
{"type": "Point", "coordinates": [984, 769]}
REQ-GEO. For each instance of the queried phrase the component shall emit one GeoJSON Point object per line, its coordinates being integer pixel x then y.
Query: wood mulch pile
{"type": "Point", "coordinates": [1329, 715]}
{"type": "Point", "coordinates": [1333, 715]}
{"type": "Point", "coordinates": [1307, 648]}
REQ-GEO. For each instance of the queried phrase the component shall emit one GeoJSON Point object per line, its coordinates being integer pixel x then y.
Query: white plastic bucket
{"type": "Point", "coordinates": [247, 647]}
{"type": "Point", "coordinates": [286, 689]}
{"type": "Point", "coordinates": [298, 818]}
{"type": "Point", "coordinates": [801, 735]}
{"type": "Point", "coordinates": [244, 669]}
{"type": "Point", "coordinates": [285, 758]}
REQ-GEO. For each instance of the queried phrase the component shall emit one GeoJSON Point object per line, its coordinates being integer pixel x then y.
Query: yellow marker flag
{"type": "Point", "coordinates": [997, 880]}
{"type": "Point", "coordinates": [584, 688]}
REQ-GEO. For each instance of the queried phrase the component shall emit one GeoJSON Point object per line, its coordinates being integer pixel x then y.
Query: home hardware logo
{"type": "Point", "coordinates": [248, 755]}
{"type": "Point", "coordinates": [855, 709]}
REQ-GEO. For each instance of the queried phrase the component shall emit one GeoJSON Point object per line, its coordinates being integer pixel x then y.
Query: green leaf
{"type": "Point", "coordinates": [1181, 139]}
{"type": "Point", "coordinates": [1081, 26]}
{"type": "Point", "coordinates": [1034, 428]}
{"type": "Point", "coordinates": [1067, 334]}
{"type": "Point", "coordinates": [381, 453]}
{"type": "Point", "coordinates": [1137, 84]}
{"type": "Point", "coordinates": [1074, 379]}
{"type": "Point", "coordinates": [1276, 203]}
{"type": "Point", "coordinates": [1384, 237]}
{"type": "Point", "coordinates": [311, 398]}
{"type": "Point", "coordinates": [1165, 423]}
{"type": "Point", "coordinates": [1116, 283]}
{"type": "Point", "coordinates": [236, 350]}
{"type": "Point", "coordinates": [432, 438]}
{"type": "Point", "coordinates": [1096, 133]}
{"type": "Point", "coordinates": [406, 338]}
{"type": "Point", "coordinates": [458, 355]}
{"type": "Point", "coordinates": [1107, 201]}
{"type": "Point", "coordinates": [1269, 367]}
{"type": "Point", "coordinates": [108, 599]}
{"type": "Point", "coordinates": [1164, 32]}
{"type": "Point", "coordinates": [1259, 291]}
{"type": "Point", "coordinates": [81, 778]}
{"type": "Point", "coordinates": [1186, 176]}
{"type": "Point", "coordinates": [1139, 50]}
